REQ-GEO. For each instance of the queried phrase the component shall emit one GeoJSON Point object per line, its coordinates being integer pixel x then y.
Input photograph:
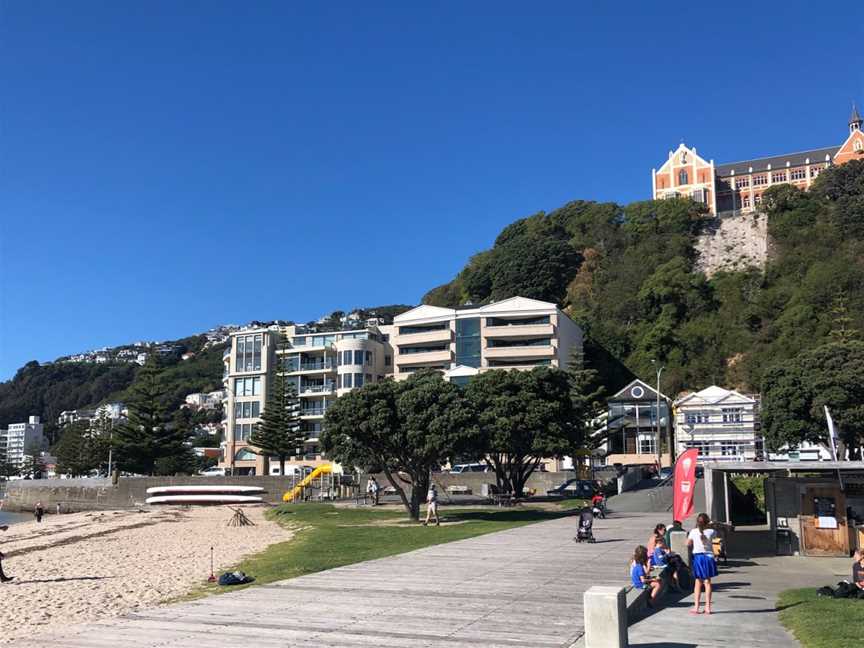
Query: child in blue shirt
{"type": "Point", "coordinates": [640, 574]}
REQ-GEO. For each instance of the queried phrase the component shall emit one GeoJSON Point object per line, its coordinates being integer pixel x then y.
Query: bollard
{"type": "Point", "coordinates": [605, 617]}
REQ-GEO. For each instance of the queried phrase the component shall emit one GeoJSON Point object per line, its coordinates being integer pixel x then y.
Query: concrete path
{"type": "Point", "coordinates": [520, 588]}
{"type": "Point", "coordinates": [744, 603]}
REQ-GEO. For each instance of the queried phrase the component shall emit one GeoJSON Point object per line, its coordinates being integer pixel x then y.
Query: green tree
{"type": "Point", "coordinates": [146, 437]}
{"type": "Point", "coordinates": [33, 466]}
{"type": "Point", "coordinates": [587, 398]}
{"type": "Point", "coordinates": [523, 416]}
{"type": "Point", "coordinates": [75, 450]}
{"type": "Point", "coordinates": [408, 428]}
{"type": "Point", "coordinates": [796, 391]}
{"type": "Point", "coordinates": [279, 434]}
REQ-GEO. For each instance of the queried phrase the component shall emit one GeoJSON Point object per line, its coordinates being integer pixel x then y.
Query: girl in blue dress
{"type": "Point", "coordinates": [703, 565]}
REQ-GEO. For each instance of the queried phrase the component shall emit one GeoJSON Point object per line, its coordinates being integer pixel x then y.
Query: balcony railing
{"type": "Point", "coordinates": [312, 411]}
{"type": "Point", "coordinates": [308, 366]}
{"type": "Point", "coordinates": [317, 389]}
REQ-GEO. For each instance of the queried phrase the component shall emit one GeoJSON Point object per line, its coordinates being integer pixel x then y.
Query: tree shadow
{"type": "Point", "coordinates": [504, 515]}
{"type": "Point", "coordinates": [62, 579]}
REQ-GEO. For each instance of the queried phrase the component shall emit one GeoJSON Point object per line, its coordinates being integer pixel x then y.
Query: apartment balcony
{"type": "Point", "coordinates": [309, 367]}
{"type": "Point", "coordinates": [312, 412]}
{"type": "Point", "coordinates": [317, 390]}
{"type": "Point", "coordinates": [429, 357]}
{"type": "Point", "coordinates": [528, 352]}
{"type": "Point", "coordinates": [442, 335]}
{"type": "Point", "coordinates": [518, 331]}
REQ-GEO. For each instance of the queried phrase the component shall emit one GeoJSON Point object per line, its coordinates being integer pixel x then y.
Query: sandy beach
{"type": "Point", "coordinates": [86, 566]}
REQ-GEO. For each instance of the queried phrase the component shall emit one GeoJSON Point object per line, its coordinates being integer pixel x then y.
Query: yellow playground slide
{"type": "Point", "coordinates": [289, 496]}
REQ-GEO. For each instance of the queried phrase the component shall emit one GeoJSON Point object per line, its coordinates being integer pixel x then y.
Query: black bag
{"type": "Point", "coordinates": [844, 590]}
{"type": "Point", "coordinates": [825, 591]}
{"type": "Point", "coordinates": [234, 578]}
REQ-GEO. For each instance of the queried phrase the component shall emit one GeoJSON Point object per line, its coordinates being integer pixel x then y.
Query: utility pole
{"type": "Point", "coordinates": [659, 449]}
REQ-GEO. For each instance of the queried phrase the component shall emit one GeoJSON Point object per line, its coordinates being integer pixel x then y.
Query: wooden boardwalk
{"type": "Point", "coordinates": [520, 588]}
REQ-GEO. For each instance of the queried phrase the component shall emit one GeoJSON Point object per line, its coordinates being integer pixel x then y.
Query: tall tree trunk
{"type": "Point", "coordinates": [400, 491]}
{"type": "Point", "coordinates": [419, 488]}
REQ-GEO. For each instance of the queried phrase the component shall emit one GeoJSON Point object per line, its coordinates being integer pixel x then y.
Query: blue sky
{"type": "Point", "coordinates": [166, 167]}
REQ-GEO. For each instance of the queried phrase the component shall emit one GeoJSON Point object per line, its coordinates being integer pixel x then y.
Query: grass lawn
{"type": "Point", "coordinates": [327, 536]}
{"type": "Point", "coordinates": [819, 622]}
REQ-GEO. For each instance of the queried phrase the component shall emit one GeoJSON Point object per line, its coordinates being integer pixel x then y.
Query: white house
{"type": "Point", "coordinates": [721, 423]}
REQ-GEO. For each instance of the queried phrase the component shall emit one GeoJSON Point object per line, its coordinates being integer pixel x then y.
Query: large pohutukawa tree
{"type": "Point", "coordinates": [407, 428]}
{"type": "Point", "coordinates": [523, 417]}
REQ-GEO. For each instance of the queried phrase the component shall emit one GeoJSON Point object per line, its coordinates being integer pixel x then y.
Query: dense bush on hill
{"type": "Point", "coordinates": [627, 275]}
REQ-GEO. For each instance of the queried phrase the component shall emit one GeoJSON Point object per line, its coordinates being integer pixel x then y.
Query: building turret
{"type": "Point", "coordinates": [855, 120]}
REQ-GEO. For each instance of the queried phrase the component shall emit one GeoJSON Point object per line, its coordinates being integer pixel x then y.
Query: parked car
{"type": "Point", "coordinates": [574, 488]}
{"type": "Point", "coordinates": [665, 473]}
{"type": "Point", "coordinates": [459, 469]}
{"type": "Point", "coordinates": [213, 472]}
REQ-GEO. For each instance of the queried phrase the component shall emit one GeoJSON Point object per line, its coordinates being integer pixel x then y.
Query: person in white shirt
{"type": "Point", "coordinates": [432, 506]}
{"type": "Point", "coordinates": [372, 489]}
{"type": "Point", "coordinates": [703, 565]}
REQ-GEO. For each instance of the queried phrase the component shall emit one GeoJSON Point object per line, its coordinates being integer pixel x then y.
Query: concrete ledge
{"type": "Point", "coordinates": [605, 610]}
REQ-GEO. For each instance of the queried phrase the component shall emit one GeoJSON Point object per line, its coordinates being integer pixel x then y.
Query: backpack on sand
{"type": "Point", "coordinates": [234, 578]}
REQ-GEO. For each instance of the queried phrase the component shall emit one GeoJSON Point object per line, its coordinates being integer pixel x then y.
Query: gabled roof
{"type": "Point", "coordinates": [674, 155]}
{"type": "Point", "coordinates": [777, 162]}
{"type": "Point", "coordinates": [458, 371]}
{"type": "Point", "coordinates": [713, 395]}
{"type": "Point", "coordinates": [517, 304]}
{"type": "Point", "coordinates": [632, 392]}
{"type": "Point", "coordinates": [422, 312]}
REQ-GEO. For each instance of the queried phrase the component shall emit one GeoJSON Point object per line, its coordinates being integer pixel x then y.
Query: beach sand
{"type": "Point", "coordinates": [86, 566]}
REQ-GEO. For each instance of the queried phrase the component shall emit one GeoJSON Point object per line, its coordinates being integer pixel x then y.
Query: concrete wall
{"type": "Point", "coordinates": [99, 494]}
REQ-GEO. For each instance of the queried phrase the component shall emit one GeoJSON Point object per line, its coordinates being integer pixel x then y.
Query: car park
{"type": "Point", "coordinates": [574, 488]}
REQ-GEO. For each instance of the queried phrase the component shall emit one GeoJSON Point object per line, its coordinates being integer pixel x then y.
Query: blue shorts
{"type": "Point", "coordinates": [704, 566]}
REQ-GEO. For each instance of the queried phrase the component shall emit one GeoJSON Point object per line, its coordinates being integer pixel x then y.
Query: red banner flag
{"type": "Point", "coordinates": [685, 483]}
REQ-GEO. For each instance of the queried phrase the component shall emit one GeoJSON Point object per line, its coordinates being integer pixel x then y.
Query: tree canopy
{"type": "Point", "coordinates": [406, 428]}
{"type": "Point", "coordinates": [278, 433]}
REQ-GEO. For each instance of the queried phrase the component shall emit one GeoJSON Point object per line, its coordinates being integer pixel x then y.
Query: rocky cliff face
{"type": "Point", "coordinates": [733, 243]}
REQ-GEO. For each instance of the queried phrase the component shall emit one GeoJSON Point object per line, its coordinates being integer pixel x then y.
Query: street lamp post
{"type": "Point", "coordinates": [659, 449]}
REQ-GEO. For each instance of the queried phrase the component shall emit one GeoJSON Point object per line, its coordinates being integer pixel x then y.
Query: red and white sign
{"type": "Point", "coordinates": [685, 483]}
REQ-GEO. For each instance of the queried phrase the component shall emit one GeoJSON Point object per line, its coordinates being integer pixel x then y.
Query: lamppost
{"type": "Point", "coordinates": [659, 450]}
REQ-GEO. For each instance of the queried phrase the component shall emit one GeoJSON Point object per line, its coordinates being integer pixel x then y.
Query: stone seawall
{"type": "Point", "coordinates": [76, 495]}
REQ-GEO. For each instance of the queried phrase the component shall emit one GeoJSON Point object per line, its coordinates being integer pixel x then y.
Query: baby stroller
{"type": "Point", "coordinates": [586, 523]}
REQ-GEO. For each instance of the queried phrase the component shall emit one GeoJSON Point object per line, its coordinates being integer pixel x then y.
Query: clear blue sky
{"type": "Point", "coordinates": [169, 166]}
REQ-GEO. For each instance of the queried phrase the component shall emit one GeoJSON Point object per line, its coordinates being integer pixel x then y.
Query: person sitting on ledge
{"type": "Point", "coordinates": [640, 575]}
{"type": "Point", "coordinates": [858, 569]}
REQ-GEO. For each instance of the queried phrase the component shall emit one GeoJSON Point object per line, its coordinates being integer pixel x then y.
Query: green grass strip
{"type": "Point", "coordinates": [820, 622]}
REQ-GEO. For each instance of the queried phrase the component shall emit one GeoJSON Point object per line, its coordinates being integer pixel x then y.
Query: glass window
{"type": "Point", "coordinates": [368, 378]}
{"type": "Point", "coordinates": [238, 410]}
{"type": "Point", "coordinates": [408, 330]}
{"type": "Point", "coordinates": [358, 357]}
{"type": "Point", "coordinates": [520, 343]}
{"type": "Point", "coordinates": [346, 381]}
{"type": "Point", "coordinates": [682, 177]}
{"type": "Point", "coordinates": [742, 182]}
{"type": "Point", "coordinates": [799, 174]}
{"type": "Point", "coordinates": [368, 357]}
{"type": "Point", "coordinates": [760, 179]}
{"type": "Point", "coordinates": [388, 360]}
{"type": "Point", "coordinates": [358, 379]}
{"type": "Point", "coordinates": [509, 321]}
{"type": "Point", "coordinates": [468, 342]}
{"type": "Point", "coordinates": [778, 176]}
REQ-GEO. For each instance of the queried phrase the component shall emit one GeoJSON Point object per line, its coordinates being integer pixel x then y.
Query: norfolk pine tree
{"type": "Point", "coordinates": [146, 438]}
{"type": "Point", "coordinates": [278, 434]}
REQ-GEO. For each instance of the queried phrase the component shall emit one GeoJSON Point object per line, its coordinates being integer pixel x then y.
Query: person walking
{"type": "Point", "coordinates": [704, 567]}
{"type": "Point", "coordinates": [372, 489]}
{"type": "Point", "coordinates": [3, 577]}
{"type": "Point", "coordinates": [432, 506]}
{"type": "Point", "coordinates": [39, 511]}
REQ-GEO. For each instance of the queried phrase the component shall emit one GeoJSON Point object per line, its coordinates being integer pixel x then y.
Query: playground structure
{"type": "Point", "coordinates": [326, 484]}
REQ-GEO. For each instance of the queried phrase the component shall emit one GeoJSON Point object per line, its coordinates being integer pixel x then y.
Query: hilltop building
{"type": "Point", "coordinates": [322, 366]}
{"type": "Point", "coordinates": [738, 186]}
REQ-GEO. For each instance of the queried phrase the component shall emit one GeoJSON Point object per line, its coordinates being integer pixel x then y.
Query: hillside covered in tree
{"type": "Point", "coordinates": [628, 275]}
{"type": "Point", "coordinates": [47, 389]}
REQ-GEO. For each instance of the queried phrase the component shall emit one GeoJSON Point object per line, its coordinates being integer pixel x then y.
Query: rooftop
{"type": "Point", "coordinates": [776, 162]}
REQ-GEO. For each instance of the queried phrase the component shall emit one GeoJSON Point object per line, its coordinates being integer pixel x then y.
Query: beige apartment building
{"type": "Point", "coordinates": [320, 367]}
{"type": "Point", "coordinates": [516, 333]}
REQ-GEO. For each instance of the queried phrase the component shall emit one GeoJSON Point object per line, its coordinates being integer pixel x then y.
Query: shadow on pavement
{"type": "Point", "coordinates": [664, 644]}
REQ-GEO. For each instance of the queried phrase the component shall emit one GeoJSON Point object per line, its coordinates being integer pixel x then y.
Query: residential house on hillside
{"type": "Point", "coordinates": [632, 427]}
{"type": "Point", "coordinates": [722, 424]}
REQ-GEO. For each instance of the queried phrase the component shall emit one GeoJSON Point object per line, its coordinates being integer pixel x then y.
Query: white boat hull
{"type": "Point", "coordinates": [216, 489]}
{"type": "Point", "coordinates": [212, 498]}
